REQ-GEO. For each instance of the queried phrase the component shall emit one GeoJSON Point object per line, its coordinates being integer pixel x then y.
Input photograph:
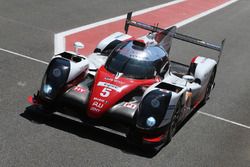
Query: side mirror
{"type": "Point", "coordinates": [189, 78]}
{"type": "Point", "coordinates": [77, 46]}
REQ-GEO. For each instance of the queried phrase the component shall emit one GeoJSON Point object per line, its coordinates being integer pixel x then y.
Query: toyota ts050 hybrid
{"type": "Point", "coordinates": [130, 81]}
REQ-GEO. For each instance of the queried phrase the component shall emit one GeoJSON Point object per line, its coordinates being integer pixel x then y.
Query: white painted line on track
{"type": "Point", "coordinates": [223, 119]}
{"type": "Point", "coordinates": [24, 56]}
{"type": "Point", "coordinates": [99, 23]}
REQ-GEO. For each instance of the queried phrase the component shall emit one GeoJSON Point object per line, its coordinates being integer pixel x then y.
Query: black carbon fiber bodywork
{"type": "Point", "coordinates": [124, 112]}
{"type": "Point", "coordinates": [148, 109]}
{"type": "Point", "coordinates": [77, 96]}
{"type": "Point", "coordinates": [56, 76]}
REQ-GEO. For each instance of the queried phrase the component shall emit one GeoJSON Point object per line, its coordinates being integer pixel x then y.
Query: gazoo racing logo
{"type": "Point", "coordinates": [110, 86]}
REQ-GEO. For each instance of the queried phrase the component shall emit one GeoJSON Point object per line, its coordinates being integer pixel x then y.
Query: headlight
{"type": "Point", "coordinates": [47, 89]}
{"type": "Point", "coordinates": [55, 78]}
{"type": "Point", "coordinates": [151, 122]}
{"type": "Point", "coordinates": [152, 109]}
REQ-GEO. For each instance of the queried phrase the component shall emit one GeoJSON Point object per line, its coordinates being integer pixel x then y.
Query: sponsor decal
{"type": "Point", "coordinates": [109, 79]}
{"type": "Point", "coordinates": [97, 104]}
{"type": "Point", "coordinates": [95, 109]}
{"type": "Point", "coordinates": [79, 89]}
{"type": "Point", "coordinates": [98, 99]}
{"type": "Point", "coordinates": [130, 105]}
{"type": "Point", "coordinates": [105, 92]}
{"type": "Point", "coordinates": [114, 80]}
{"type": "Point", "coordinates": [110, 86]}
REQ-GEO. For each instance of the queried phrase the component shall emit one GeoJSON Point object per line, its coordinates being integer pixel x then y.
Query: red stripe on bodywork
{"type": "Point", "coordinates": [154, 140]}
{"type": "Point", "coordinates": [32, 100]}
{"type": "Point", "coordinates": [193, 59]}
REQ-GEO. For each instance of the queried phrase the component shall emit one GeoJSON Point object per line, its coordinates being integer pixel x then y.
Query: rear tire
{"type": "Point", "coordinates": [210, 85]}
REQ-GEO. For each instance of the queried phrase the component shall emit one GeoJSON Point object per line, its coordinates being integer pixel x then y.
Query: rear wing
{"type": "Point", "coordinates": [175, 35]}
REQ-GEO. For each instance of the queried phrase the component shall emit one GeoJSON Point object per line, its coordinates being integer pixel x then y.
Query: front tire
{"type": "Point", "coordinates": [174, 122]}
{"type": "Point", "coordinates": [135, 137]}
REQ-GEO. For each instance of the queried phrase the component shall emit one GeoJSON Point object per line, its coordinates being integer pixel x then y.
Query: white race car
{"type": "Point", "coordinates": [132, 82]}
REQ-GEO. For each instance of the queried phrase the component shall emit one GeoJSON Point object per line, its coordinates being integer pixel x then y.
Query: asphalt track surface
{"type": "Point", "coordinates": [27, 27]}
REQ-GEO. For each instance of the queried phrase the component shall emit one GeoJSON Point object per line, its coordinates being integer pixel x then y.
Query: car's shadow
{"type": "Point", "coordinates": [84, 131]}
{"type": "Point", "coordinates": [88, 132]}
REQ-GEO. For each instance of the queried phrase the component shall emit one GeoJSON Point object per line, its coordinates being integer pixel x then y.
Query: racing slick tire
{"type": "Point", "coordinates": [174, 122]}
{"type": "Point", "coordinates": [210, 86]}
{"type": "Point", "coordinates": [134, 137]}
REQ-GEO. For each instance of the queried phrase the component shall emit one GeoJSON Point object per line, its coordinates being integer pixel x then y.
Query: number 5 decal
{"type": "Point", "coordinates": [105, 92]}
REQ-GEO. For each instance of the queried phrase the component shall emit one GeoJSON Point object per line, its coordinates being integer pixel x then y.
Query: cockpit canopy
{"type": "Point", "coordinates": [136, 60]}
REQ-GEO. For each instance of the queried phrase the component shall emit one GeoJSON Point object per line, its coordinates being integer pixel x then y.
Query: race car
{"type": "Point", "coordinates": [132, 82]}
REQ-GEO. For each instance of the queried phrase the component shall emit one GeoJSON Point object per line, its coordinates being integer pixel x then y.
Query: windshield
{"type": "Point", "coordinates": [134, 61]}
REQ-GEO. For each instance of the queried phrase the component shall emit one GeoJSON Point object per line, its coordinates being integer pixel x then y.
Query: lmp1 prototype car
{"type": "Point", "coordinates": [132, 82]}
